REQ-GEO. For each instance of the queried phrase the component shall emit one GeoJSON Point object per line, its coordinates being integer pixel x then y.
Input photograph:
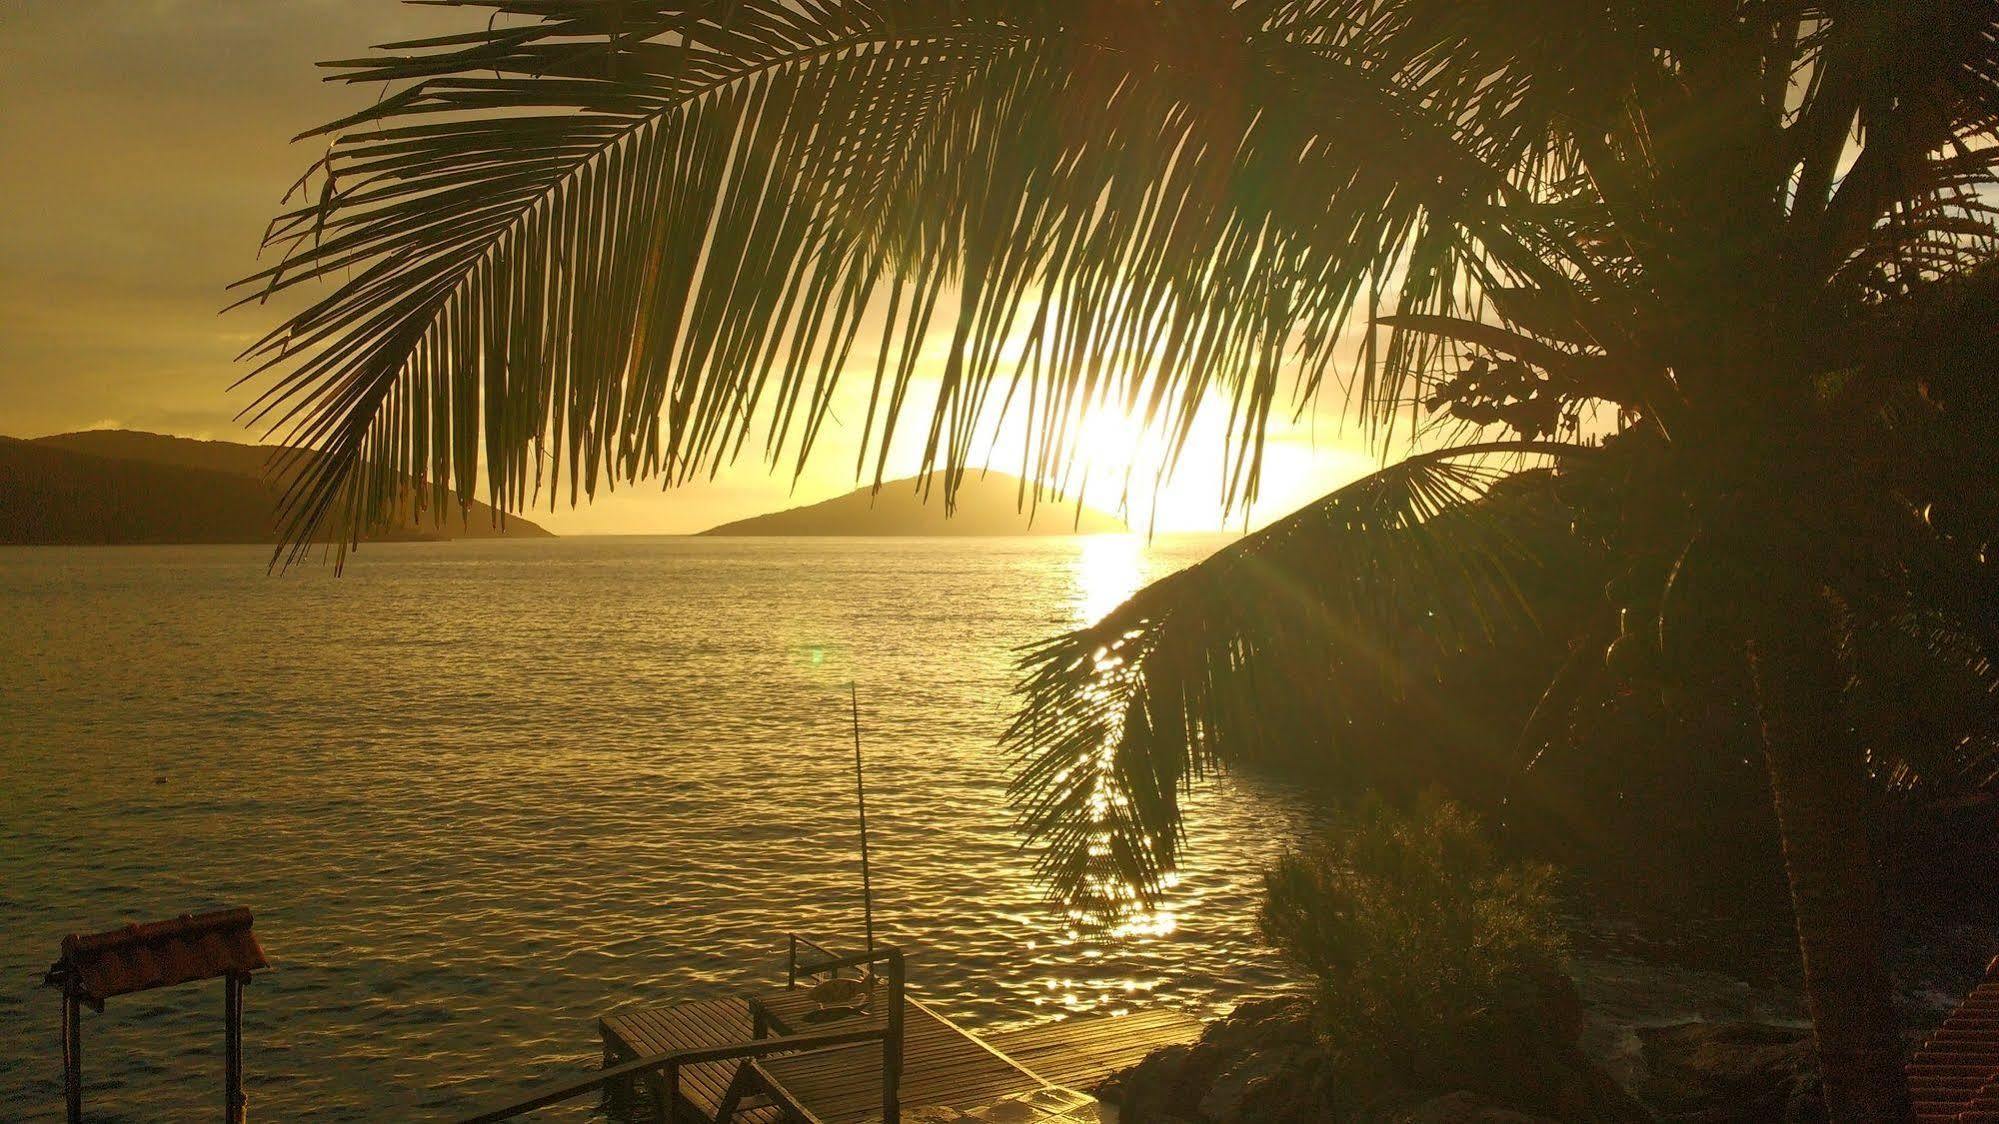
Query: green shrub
{"type": "Point", "coordinates": [1413, 928]}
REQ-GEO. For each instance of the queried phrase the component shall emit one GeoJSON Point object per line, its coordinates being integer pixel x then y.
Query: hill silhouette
{"type": "Point", "coordinates": [125, 486]}
{"type": "Point", "coordinates": [989, 504]}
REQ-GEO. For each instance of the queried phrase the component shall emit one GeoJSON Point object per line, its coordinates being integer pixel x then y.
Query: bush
{"type": "Point", "coordinates": [1415, 930]}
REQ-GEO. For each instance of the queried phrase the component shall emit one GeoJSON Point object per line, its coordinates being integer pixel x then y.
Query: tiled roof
{"type": "Point", "coordinates": [1955, 1076]}
{"type": "Point", "coordinates": [158, 954]}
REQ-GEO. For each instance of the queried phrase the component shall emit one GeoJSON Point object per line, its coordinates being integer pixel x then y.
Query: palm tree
{"type": "Point", "coordinates": [591, 241]}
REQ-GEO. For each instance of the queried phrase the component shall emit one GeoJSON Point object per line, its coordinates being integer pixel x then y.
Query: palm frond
{"type": "Point", "coordinates": [620, 240]}
{"type": "Point", "coordinates": [601, 241]}
{"type": "Point", "coordinates": [1283, 637]}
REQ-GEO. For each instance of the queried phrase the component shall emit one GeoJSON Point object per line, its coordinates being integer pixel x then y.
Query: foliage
{"type": "Point", "coordinates": [596, 242]}
{"type": "Point", "coordinates": [1290, 638]}
{"type": "Point", "coordinates": [1678, 253]}
{"type": "Point", "coordinates": [1412, 926]}
{"type": "Point", "coordinates": [606, 241]}
{"type": "Point", "coordinates": [1754, 240]}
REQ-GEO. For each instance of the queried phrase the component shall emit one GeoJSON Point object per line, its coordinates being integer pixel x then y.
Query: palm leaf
{"type": "Point", "coordinates": [1281, 637]}
{"type": "Point", "coordinates": [609, 239]}
{"type": "Point", "coordinates": [606, 241]}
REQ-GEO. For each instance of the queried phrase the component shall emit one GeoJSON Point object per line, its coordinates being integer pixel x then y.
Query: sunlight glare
{"type": "Point", "coordinates": [1109, 569]}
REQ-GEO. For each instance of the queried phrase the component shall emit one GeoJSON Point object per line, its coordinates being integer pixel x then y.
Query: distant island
{"type": "Point", "coordinates": [989, 504]}
{"type": "Point", "coordinates": [110, 486]}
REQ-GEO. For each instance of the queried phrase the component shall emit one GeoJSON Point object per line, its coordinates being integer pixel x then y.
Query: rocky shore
{"type": "Point", "coordinates": [1262, 1064]}
{"type": "Point", "coordinates": [1633, 1043]}
{"type": "Point", "coordinates": [1519, 1062]}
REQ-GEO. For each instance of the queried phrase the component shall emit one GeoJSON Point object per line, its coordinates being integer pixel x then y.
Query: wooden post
{"type": "Point", "coordinates": [861, 802]}
{"type": "Point", "coordinates": [791, 962]}
{"type": "Point", "coordinates": [892, 1043]}
{"type": "Point", "coordinates": [672, 1071]}
{"type": "Point", "coordinates": [655, 1085]}
{"type": "Point", "coordinates": [732, 1097]}
{"type": "Point", "coordinates": [617, 1094]}
{"type": "Point", "coordinates": [233, 1103]}
{"type": "Point", "coordinates": [72, 1056]}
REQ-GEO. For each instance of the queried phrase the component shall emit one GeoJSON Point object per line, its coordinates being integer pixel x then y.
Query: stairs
{"type": "Point", "coordinates": [1954, 1077]}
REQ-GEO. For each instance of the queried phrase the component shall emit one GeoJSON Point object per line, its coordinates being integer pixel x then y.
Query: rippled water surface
{"type": "Point", "coordinates": [480, 793]}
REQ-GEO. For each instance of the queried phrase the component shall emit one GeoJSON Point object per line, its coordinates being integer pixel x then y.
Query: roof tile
{"type": "Point", "coordinates": [159, 954]}
{"type": "Point", "coordinates": [1954, 1077]}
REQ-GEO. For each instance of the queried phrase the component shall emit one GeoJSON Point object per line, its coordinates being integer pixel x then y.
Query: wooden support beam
{"type": "Point", "coordinates": [892, 1043]}
{"type": "Point", "coordinates": [234, 1110]}
{"type": "Point", "coordinates": [72, 1056]}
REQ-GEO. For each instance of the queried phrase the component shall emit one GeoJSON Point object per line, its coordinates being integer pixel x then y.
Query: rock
{"type": "Point", "coordinates": [1515, 1064]}
{"type": "Point", "coordinates": [1283, 1021]}
{"type": "Point", "coordinates": [1261, 1063]}
{"type": "Point", "coordinates": [1717, 1073]}
{"type": "Point", "coordinates": [1551, 1000]}
{"type": "Point", "coordinates": [1152, 1089]}
{"type": "Point", "coordinates": [1283, 1083]}
{"type": "Point", "coordinates": [1524, 1054]}
{"type": "Point", "coordinates": [1464, 1107]}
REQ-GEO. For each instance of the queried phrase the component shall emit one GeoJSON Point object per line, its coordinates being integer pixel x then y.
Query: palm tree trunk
{"type": "Point", "coordinates": [1818, 784]}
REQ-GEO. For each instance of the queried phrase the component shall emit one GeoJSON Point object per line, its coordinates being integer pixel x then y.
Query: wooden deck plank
{"type": "Point", "coordinates": [943, 1065]}
{"type": "Point", "coordinates": [713, 1023]}
{"type": "Point", "coordinates": [930, 1069]}
{"type": "Point", "coordinates": [701, 1022]}
{"type": "Point", "coordinates": [1096, 1027]}
{"type": "Point", "coordinates": [1080, 1053]}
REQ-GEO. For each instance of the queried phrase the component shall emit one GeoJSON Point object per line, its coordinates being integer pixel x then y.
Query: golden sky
{"type": "Point", "coordinates": [143, 146]}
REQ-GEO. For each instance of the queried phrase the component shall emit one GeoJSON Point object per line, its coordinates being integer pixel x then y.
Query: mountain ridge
{"type": "Point", "coordinates": [989, 505]}
{"type": "Point", "coordinates": [122, 486]}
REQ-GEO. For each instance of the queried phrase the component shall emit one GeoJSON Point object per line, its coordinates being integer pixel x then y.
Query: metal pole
{"type": "Point", "coordinates": [233, 1109]}
{"type": "Point", "coordinates": [72, 1056]}
{"type": "Point", "coordinates": [861, 798]}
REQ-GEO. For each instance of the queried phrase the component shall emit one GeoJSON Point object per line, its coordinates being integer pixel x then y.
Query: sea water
{"type": "Point", "coordinates": [478, 794]}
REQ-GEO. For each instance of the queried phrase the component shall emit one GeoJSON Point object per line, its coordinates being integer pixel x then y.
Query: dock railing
{"type": "Point", "coordinates": [669, 1065]}
{"type": "Point", "coordinates": [830, 962]}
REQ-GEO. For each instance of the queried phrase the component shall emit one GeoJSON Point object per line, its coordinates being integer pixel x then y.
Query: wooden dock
{"type": "Point", "coordinates": [944, 1066]}
{"type": "Point", "coordinates": [850, 1052]}
{"type": "Point", "coordinates": [702, 1022]}
{"type": "Point", "coordinates": [1081, 1052]}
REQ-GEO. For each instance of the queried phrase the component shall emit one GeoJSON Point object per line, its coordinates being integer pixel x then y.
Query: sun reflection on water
{"type": "Point", "coordinates": [1109, 569]}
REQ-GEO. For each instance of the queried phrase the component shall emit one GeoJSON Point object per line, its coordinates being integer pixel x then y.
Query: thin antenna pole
{"type": "Point", "coordinates": [861, 799]}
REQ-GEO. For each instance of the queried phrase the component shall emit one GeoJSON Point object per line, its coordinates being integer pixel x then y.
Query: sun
{"type": "Point", "coordinates": [1108, 437]}
{"type": "Point", "coordinates": [1115, 459]}
{"type": "Point", "coordinates": [1125, 461]}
